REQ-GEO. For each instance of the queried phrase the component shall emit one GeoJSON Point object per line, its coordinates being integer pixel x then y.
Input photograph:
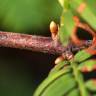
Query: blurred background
{"type": "Point", "coordinates": [21, 71]}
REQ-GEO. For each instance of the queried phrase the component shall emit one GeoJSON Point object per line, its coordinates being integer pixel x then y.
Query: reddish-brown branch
{"type": "Point", "coordinates": [37, 43]}
{"type": "Point", "coordinates": [30, 42]}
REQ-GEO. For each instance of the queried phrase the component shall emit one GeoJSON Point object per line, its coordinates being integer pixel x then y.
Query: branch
{"type": "Point", "coordinates": [30, 42]}
{"type": "Point", "coordinates": [37, 43]}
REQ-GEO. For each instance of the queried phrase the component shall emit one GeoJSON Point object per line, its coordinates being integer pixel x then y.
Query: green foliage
{"type": "Point", "coordinates": [66, 22]}
{"type": "Point", "coordinates": [27, 15]}
{"type": "Point", "coordinates": [91, 85]}
{"type": "Point", "coordinates": [68, 78]}
{"type": "Point", "coordinates": [87, 12]}
{"type": "Point", "coordinates": [61, 79]}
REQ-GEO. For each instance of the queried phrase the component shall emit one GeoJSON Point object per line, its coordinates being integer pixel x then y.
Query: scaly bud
{"type": "Point", "coordinates": [59, 59]}
{"type": "Point", "coordinates": [53, 29]}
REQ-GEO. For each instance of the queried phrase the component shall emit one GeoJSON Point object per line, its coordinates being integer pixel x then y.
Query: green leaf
{"type": "Point", "coordinates": [87, 13]}
{"type": "Point", "coordinates": [74, 92]}
{"type": "Point", "coordinates": [91, 85]}
{"type": "Point", "coordinates": [66, 26]}
{"type": "Point", "coordinates": [61, 83]}
{"type": "Point", "coordinates": [64, 36]}
{"type": "Point", "coordinates": [89, 64]}
{"type": "Point", "coordinates": [81, 56]}
{"type": "Point", "coordinates": [56, 85]}
{"type": "Point", "coordinates": [79, 78]}
{"type": "Point", "coordinates": [61, 2]}
{"type": "Point", "coordinates": [59, 67]}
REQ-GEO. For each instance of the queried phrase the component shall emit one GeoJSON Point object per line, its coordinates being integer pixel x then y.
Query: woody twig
{"type": "Point", "coordinates": [37, 43]}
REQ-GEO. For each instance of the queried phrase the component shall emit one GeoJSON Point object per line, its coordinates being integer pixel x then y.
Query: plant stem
{"type": "Point", "coordinates": [36, 43]}
{"type": "Point", "coordinates": [79, 79]}
{"type": "Point", "coordinates": [30, 42]}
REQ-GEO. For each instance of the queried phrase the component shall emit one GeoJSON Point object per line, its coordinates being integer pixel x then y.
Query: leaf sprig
{"type": "Point", "coordinates": [70, 78]}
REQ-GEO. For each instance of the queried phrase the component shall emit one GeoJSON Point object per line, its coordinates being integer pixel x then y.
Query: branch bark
{"type": "Point", "coordinates": [30, 42]}
{"type": "Point", "coordinates": [37, 43]}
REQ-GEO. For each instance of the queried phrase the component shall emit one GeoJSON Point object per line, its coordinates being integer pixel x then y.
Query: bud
{"type": "Point", "coordinates": [59, 59]}
{"type": "Point", "coordinates": [68, 55]}
{"type": "Point", "coordinates": [53, 27]}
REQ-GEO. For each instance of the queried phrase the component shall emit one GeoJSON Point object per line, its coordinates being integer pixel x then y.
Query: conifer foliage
{"type": "Point", "coordinates": [77, 76]}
